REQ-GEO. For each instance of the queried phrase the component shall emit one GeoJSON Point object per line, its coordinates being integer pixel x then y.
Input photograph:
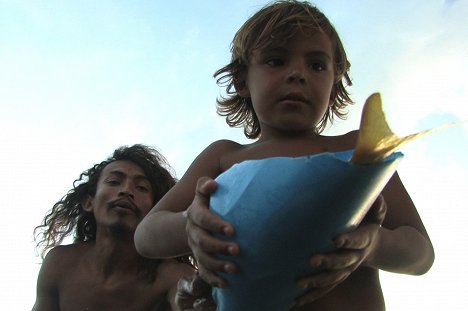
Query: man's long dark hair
{"type": "Point", "coordinates": [67, 215]}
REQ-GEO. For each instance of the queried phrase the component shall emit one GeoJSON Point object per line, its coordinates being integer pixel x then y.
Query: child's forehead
{"type": "Point", "coordinates": [314, 37]}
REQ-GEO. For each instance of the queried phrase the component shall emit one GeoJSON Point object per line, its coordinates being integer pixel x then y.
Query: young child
{"type": "Point", "coordinates": [286, 80]}
{"type": "Point", "coordinates": [101, 270]}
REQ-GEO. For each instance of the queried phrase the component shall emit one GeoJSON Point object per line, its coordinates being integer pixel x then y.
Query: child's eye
{"type": "Point", "coordinates": [318, 66]}
{"type": "Point", "coordinates": [274, 62]}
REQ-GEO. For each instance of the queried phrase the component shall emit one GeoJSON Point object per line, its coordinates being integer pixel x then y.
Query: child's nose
{"type": "Point", "coordinates": [297, 73]}
{"type": "Point", "coordinates": [296, 77]}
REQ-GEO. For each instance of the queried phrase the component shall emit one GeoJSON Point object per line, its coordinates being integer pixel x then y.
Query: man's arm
{"type": "Point", "coordinates": [46, 292]}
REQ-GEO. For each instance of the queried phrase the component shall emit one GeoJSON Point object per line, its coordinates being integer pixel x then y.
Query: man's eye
{"type": "Point", "coordinates": [143, 188]}
{"type": "Point", "coordinates": [112, 182]}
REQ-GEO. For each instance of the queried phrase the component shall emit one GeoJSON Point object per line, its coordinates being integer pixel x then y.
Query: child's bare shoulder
{"type": "Point", "coordinates": [348, 137]}
{"type": "Point", "coordinates": [217, 151]}
{"type": "Point", "coordinates": [224, 146]}
{"type": "Point", "coordinates": [342, 142]}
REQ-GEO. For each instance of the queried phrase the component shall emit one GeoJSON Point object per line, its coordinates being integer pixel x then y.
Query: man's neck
{"type": "Point", "coordinates": [115, 254]}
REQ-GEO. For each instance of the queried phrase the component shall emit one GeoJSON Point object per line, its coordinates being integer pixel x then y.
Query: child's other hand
{"type": "Point", "coordinates": [193, 294]}
{"type": "Point", "coordinates": [353, 250]}
{"type": "Point", "coordinates": [201, 223]}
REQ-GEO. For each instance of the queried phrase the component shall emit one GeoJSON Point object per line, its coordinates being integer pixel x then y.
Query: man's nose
{"type": "Point", "coordinates": [126, 189]}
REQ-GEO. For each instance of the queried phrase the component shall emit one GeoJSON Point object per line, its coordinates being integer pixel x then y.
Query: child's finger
{"type": "Point", "coordinates": [358, 239]}
{"type": "Point", "coordinates": [336, 261]}
{"type": "Point", "coordinates": [202, 217]}
{"type": "Point", "coordinates": [200, 239]}
{"type": "Point", "coordinates": [377, 212]}
{"type": "Point", "coordinates": [199, 213]}
{"type": "Point", "coordinates": [211, 278]}
{"type": "Point", "coordinates": [205, 186]}
{"type": "Point", "coordinates": [214, 264]}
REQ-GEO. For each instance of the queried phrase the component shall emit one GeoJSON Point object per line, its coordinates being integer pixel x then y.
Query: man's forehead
{"type": "Point", "coordinates": [123, 167]}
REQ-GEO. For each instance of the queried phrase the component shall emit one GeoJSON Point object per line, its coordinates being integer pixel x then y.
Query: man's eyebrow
{"type": "Point", "coordinates": [122, 175]}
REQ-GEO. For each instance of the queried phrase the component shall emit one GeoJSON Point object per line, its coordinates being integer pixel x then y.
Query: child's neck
{"type": "Point", "coordinates": [291, 145]}
{"type": "Point", "coordinates": [289, 136]}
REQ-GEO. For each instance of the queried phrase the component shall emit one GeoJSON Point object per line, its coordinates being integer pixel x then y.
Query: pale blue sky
{"type": "Point", "coordinates": [80, 78]}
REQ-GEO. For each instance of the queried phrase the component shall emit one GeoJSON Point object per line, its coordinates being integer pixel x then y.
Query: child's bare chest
{"type": "Point", "coordinates": [297, 148]}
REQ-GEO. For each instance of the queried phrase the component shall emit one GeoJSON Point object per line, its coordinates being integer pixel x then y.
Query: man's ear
{"type": "Point", "coordinates": [87, 203]}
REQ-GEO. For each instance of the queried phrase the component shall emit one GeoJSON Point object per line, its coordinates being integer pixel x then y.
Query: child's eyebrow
{"type": "Point", "coordinates": [273, 50]}
{"type": "Point", "coordinates": [320, 53]}
{"type": "Point", "coordinates": [282, 50]}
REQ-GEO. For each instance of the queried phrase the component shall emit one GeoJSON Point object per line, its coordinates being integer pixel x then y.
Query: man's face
{"type": "Point", "coordinates": [123, 197]}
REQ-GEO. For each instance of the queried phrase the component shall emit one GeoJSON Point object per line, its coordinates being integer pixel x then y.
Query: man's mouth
{"type": "Point", "coordinates": [123, 204]}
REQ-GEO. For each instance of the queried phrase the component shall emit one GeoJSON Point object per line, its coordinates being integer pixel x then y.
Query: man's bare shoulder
{"type": "Point", "coordinates": [64, 255]}
{"type": "Point", "coordinates": [57, 263]}
{"type": "Point", "coordinates": [173, 269]}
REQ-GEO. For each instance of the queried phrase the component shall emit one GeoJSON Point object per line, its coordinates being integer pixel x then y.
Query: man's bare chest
{"type": "Point", "coordinates": [85, 293]}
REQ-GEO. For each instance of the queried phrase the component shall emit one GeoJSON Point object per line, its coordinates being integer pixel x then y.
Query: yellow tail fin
{"type": "Point", "coordinates": [376, 140]}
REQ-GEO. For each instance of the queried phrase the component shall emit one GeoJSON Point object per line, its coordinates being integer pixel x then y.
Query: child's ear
{"type": "Point", "coordinates": [333, 94]}
{"type": "Point", "coordinates": [241, 86]}
{"type": "Point", "coordinates": [87, 203]}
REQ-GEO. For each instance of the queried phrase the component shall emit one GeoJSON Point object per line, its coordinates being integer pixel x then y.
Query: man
{"type": "Point", "coordinates": [101, 270]}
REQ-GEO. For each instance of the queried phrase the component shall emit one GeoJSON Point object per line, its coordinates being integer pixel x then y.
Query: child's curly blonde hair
{"type": "Point", "coordinates": [273, 24]}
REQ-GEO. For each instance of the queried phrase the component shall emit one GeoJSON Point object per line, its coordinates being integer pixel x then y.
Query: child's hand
{"type": "Point", "coordinates": [353, 250]}
{"type": "Point", "coordinates": [194, 294]}
{"type": "Point", "coordinates": [201, 223]}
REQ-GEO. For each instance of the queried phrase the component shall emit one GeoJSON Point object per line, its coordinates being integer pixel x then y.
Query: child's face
{"type": "Point", "coordinates": [290, 85]}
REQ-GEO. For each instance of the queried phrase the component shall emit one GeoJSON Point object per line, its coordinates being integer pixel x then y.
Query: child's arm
{"type": "Point", "coordinates": [162, 233]}
{"type": "Point", "coordinates": [402, 236]}
{"type": "Point", "coordinates": [400, 245]}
